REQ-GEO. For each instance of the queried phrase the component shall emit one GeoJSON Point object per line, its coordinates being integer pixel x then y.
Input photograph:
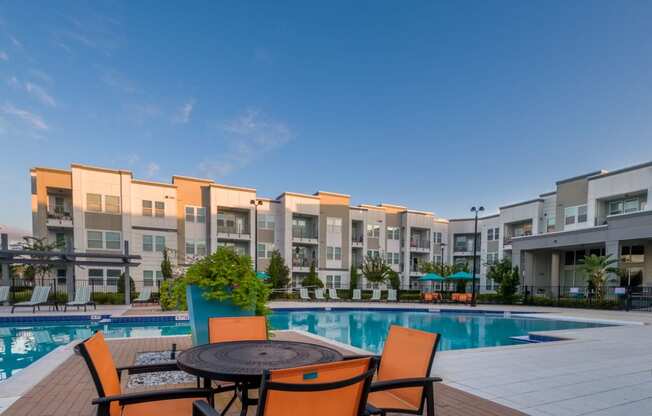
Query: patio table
{"type": "Point", "coordinates": [243, 362]}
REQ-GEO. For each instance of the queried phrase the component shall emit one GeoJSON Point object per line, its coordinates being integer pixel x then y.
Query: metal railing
{"type": "Point", "coordinates": [21, 289]}
{"type": "Point", "coordinates": [233, 230]}
{"type": "Point", "coordinates": [634, 298]}
{"type": "Point", "coordinates": [303, 262]}
{"type": "Point", "coordinates": [303, 233]}
{"type": "Point", "coordinates": [420, 244]}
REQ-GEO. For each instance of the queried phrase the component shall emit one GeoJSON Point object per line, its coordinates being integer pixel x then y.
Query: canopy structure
{"type": "Point", "coordinates": [431, 277]}
{"type": "Point", "coordinates": [460, 276]}
{"type": "Point", "coordinates": [262, 275]}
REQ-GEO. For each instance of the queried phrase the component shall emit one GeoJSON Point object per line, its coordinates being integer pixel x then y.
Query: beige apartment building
{"type": "Point", "coordinates": [93, 209]}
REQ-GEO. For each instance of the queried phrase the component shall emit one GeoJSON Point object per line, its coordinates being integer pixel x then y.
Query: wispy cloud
{"type": "Point", "coordinates": [40, 94]}
{"type": "Point", "coordinates": [15, 42]}
{"type": "Point", "coordinates": [184, 113]}
{"type": "Point", "coordinates": [152, 169]}
{"type": "Point", "coordinates": [41, 75]}
{"type": "Point", "coordinates": [4, 56]}
{"type": "Point", "coordinates": [249, 136]}
{"type": "Point", "coordinates": [13, 82]}
{"type": "Point", "coordinates": [116, 80]}
{"type": "Point", "coordinates": [33, 120]}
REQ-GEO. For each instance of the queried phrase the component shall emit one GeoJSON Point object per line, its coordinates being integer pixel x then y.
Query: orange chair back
{"type": "Point", "coordinates": [428, 297]}
{"type": "Point", "coordinates": [241, 328]}
{"type": "Point", "coordinates": [408, 353]}
{"type": "Point", "coordinates": [100, 363]}
{"type": "Point", "coordinates": [339, 388]}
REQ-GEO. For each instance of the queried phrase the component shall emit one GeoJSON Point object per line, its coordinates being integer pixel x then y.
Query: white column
{"type": "Point", "coordinates": [554, 273]}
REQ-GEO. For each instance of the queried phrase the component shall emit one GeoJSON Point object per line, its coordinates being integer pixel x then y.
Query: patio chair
{"type": "Point", "coordinates": [357, 294]}
{"type": "Point", "coordinates": [403, 383]}
{"type": "Point", "coordinates": [392, 295]}
{"type": "Point", "coordinates": [112, 401]}
{"type": "Point", "coordinates": [332, 293]}
{"type": "Point", "coordinates": [428, 297]}
{"type": "Point", "coordinates": [303, 294]}
{"type": "Point", "coordinates": [4, 294]}
{"type": "Point", "coordinates": [39, 297]}
{"type": "Point", "coordinates": [375, 295]}
{"type": "Point", "coordinates": [339, 388]}
{"type": "Point", "coordinates": [82, 298]}
{"type": "Point", "coordinates": [144, 296]}
{"type": "Point", "coordinates": [319, 294]}
{"type": "Point", "coordinates": [240, 328]}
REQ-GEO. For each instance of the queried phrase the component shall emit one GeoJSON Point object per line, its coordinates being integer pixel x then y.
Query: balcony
{"type": "Point", "coordinates": [420, 246]}
{"type": "Point", "coordinates": [302, 264]}
{"type": "Point", "coordinates": [357, 241]}
{"type": "Point", "coordinates": [59, 219]}
{"type": "Point", "coordinates": [304, 236]}
{"type": "Point", "coordinates": [233, 233]}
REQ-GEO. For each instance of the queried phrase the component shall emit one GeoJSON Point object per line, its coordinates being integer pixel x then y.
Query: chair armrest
{"type": "Point", "coordinates": [355, 357]}
{"type": "Point", "coordinates": [156, 395]}
{"type": "Point", "coordinates": [403, 383]}
{"type": "Point", "coordinates": [147, 368]}
{"type": "Point", "coordinates": [200, 408]}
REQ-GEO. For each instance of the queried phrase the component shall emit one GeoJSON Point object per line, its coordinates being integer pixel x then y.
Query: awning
{"type": "Point", "coordinates": [431, 277]}
{"type": "Point", "coordinates": [262, 275]}
{"type": "Point", "coordinates": [460, 276]}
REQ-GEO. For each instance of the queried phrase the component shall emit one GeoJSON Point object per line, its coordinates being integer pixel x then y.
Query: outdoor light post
{"type": "Point", "coordinates": [442, 253]}
{"type": "Point", "coordinates": [256, 203]}
{"type": "Point", "coordinates": [476, 211]}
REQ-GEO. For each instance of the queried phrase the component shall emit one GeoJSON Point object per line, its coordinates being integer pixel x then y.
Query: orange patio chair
{"type": "Point", "coordinates": [113, 402]}
{"type": "Point", "coordinates": [339, 388]}
{"type": "Point", "coordinates": [427, 297]}
{"type": "Point", "coordinates": [403, 384]}
{"type": "Point", "coordinates": [241, 328]}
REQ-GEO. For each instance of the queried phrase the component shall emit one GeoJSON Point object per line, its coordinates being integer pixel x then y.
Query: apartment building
{"type": "Point", "coordinates": [96, 209]}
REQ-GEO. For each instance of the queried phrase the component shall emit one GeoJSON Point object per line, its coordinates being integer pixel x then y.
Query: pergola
{"type": "Point", "coordinates": [67, 259]}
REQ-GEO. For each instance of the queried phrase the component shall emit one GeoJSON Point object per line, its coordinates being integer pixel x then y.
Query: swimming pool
{"type": "Point", "coordinates": [24, 341]}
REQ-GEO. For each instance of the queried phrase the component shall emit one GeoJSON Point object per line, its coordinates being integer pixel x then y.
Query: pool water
{"type": "Point", "coordinates": [22, 344]}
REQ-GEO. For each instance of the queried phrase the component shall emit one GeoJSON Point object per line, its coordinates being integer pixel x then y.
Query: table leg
{"type": "Point", "coordinates": [244, 400]}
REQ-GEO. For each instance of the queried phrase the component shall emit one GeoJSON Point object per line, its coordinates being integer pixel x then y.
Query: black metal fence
{"type": "Point", "coordinates": [22, 289]}
{"type": "Point", "coordinates": [611, 297]}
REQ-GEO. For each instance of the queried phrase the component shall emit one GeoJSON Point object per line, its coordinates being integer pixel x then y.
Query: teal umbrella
{"type": "Point", "coordinates": [460, 276]}
{"type": "Point", "coordinates": [262, 275]}
{"type": "Point", "coordinates": [431, 277]}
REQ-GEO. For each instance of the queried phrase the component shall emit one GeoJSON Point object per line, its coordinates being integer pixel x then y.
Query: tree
{"type": "Point", "coordinates": [166, 265]}
{"type": "Point", "coordinates": [40, 245]}
{"type": "Point", "coordinates": [312, 280]}
{"type": "Point", "coordinates": [375, 269]}
{"type": "Point", "coordinates": [353, 283]}
{"type": "Point", "coordinates": [279, 273]}
{"type": "Point", "coordinates": [507, 278]}
{"type": "Point", "coordinates": [394, 280]}
{"type": "Point", "coordinates": [597, 270]}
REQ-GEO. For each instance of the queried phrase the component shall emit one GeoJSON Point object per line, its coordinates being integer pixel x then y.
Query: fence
{"type": "Point", "coordinates": [21, 289]}
{"type": "Point", "coordinates": [634, 298]}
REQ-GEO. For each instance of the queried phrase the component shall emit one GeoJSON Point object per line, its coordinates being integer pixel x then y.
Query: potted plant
{"type": "Point", "coordinates": [222, 284]}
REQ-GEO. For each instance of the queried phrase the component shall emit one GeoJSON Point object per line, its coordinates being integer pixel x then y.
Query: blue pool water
{"type": "Point", "coordinates": [23, 343]}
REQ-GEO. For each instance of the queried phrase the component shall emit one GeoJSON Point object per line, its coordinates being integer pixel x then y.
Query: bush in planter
{"type": "Point", "coordinates": [226, 276]}
{"type": "Point", "coordinates": [173, 295]}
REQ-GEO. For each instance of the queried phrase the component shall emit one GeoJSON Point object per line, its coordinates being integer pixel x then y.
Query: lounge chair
{"type": "Point", "coordinates": [145, 296]}
{"type": "Point", "coordinates": [357, 294]}
{"type": "Point", "coordinates": [338, 388]}
{"type": "Point", "coordinates": [39, 297]}
{"type": "Point", "coordinates": [332, 293]}
{"type": "Point", "coordinates": [319, 294]}
{"type": "Point", "coordinates": [82, 298]}
{"type": "Point", "coordinates": [392, 295]}
{"type": "Point", "coordinates": [375, 295]}
{"type": "Point", "coordinates": [113, 401]}
{"type": "Point", "coordinates": [4, 294]}
{"type": "Point", "coordinates": [303, 294]}
{"type": "Point", "coordinates": [403, 383]}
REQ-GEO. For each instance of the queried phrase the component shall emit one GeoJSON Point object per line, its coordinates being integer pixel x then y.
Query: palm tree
{"type": "Point", "coordinates": [375, 269]}
{"type": "Point", "coordinates": [597, 269]}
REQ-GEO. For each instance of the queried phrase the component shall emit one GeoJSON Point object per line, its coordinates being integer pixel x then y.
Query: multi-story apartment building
{"type": "Point", "coordinates": [97, 209]}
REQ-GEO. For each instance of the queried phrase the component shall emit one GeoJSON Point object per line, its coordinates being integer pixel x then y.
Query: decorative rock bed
{"type": "Point", "coordinates": [160, 378]}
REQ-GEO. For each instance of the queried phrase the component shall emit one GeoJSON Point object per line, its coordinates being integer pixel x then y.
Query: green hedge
{"type": "Point", "coordinates": [573, 303]}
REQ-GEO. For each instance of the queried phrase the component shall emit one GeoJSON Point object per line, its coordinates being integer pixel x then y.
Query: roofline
{"type": "Point", "coordinates": [371, 206]}
{"type": "Point", "coordinates": [232, 187]}
{"type": "Point", "coordinates": [360, 208]}
{"type": "Point", "coordinates": [547, 194]}
{"type": "Point", "coordinates": [297, 194]}
{"type": "Point", "coordinates": [55, 170]}
{"type": "Point", "coordinates": [586, 175]}
{"type": "Point", "coordinates": [531, 201]}
{"type": "Point", "coordinates": [190, 178]}
{"type": "Point", "coordinates": [623, 170]}
{"type": "Point", "coordinates": [383, 204]}
{"type": "Point", "coordinates": [414, 211]}
{"type": "Point", "coordinates": [332, 193]}
{"type": "Point", "coordinates": [154, 183]}
{"type": "Point", "coordinates": [100, 169]}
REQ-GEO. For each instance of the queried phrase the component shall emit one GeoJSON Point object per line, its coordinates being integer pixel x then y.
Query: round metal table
{"type": "Point", "coordinates": [243, 362]}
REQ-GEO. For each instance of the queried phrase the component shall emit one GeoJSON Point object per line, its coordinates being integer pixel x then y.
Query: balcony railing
{"type": "Point", "coordinates": [357, 239]}
{"type": "Point", "coordinates": [303, 262]}
{"type": "Point", "coordinates": [420, 244]}
{"type": "Point", "coordinates": [59, 215]}
{"type": "Point", "coordinates": [233, 230]}
{"type": "Point", "coordinates": [303, 233]}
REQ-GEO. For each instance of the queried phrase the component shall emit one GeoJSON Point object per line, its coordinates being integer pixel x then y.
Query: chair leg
{"type": "Point", "coordinates": [430, 400]}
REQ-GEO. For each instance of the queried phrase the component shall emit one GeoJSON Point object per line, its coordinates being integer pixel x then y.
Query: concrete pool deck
{"type": "Point", "coordinates": [597, 371]}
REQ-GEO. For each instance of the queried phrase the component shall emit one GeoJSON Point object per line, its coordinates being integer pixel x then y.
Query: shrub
{"type": "Point", "coordinates": [172, 295]}
{"type": "Point", "coordinates": [409, 296]}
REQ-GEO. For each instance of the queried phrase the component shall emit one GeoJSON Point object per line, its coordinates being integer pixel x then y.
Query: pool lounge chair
{"type": "Point", "coordinates": [357, 294]}
{"type": "Point", "coordinates": [4, 294]}
{"type": "Point", "coordinates": [303, 294]}
{"type": "Point", "coordinates": [39, 297]}
{"type": "Point", "coordinates": [145, 296]}
{"type": "Point", "coordinates": [82, 298]}
{"type": "Point", "coordinates": [319, 294]}
{"type": "Point", "coordinates": [113, 401]}
{"type": "Point", "coordinates": [332, 293]}
{"type": "Point", "coordinates": [392, 295]}
{"type": "Point", "coordinates": [375, 295]}
{"type": "Point", "coordinates": [338, 388]}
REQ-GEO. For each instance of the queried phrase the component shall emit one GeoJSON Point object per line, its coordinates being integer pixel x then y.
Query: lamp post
{"type": "Point", "coordinates": [442, 253]}
{"type": "Point", "coordinates": [256, 203]}
{"type": "Point", "coordinates": [476, 211]}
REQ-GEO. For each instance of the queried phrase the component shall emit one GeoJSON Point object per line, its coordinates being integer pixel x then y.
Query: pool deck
{"type": "Point", "coordinates": [598, 371]}
{"type": "Point", "coordinates": [69, 390]}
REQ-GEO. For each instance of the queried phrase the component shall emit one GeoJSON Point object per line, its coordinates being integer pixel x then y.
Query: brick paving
{"type": "Point", "coordinates": [68, 391]}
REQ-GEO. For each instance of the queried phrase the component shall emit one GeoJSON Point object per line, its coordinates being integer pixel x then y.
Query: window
{"type": "Point", "coordinates": [569, 215]}
{"type": "Point", "coordinates": [581, 214]}
{"type": "Point", "coordinates": [261, 251]}
{"type": "Point", "coordinates": [160, 243]}
{"type": "Point", "coordinates": [373, 253]}
{"type": "Point", "coordinates": [550, 223]}
{"type": "Point", "coordinates": [334, 253]}
{"type": "Point", "coordinates": [632, 205]}
{"type": "Point", "coordinates": [334, 281]}
{"type": "Point", "coordinates": [148, 278]}
{"type": "Point", "coordinates": [95, 277]}
{"type": "Point", "coordinates": [396, 258]}
{"type": "Point", "coordinates": [190, 214]}
{"type": "Point", "coordinates": [201, 215]}
{"type": "Point", "coordinates": [112, 277]}
{"type": "Point", "coordinates": [437, 237]}
{"type": "Point", "coordinates": [159, 207]}
{"type": "Point", "coordinates": [58, 205]}
{"type": "Point", "coordinates": [201, 248]}
{"type": "Point", "coordinates": [492, 258]}
{"type": "Point", "coordinates": [112, 240]}
{"type": "Point", "coordinates": [393, 233]}
{"type": "Point", "coordinates": [615, 207]}
{"type": "Point", "coordinates": [112, 204]}
{"type": "Point", "coordinates": [633, 254]}
{"type": "Point", "coordinates": [61, 276]}
{"type": "Point", "coordinates": [147, 208]}
{"type": "Point", "coordinates": [496, 233]}
{"type": "Point", "coordinates": [148, 243]}
{"type": "Point", "coordinates": [266, 221]}
{"type": "Point", "coordinates": [388, 257]}
{"type": "Point", "coordinates": [338, 253]}
{"type": "Point", "coordinates": [334, 225]}
{"type": "Point", "coordinates": [190, 248]}
{"type": "Point", "coordinates": [489, 284]}
{"type": "Point", "coordinates": [625, 206]}
{"type": "Point", "coordinates": [490, 234]}
{"type": "Point", "coordinates": [94, 239]}
{"type": "Point", "coordinates": [61, 240]}
{"type": "Point", "coordinates": [438, 259]}
{"type": "Point", "coordinates": [373, 230]}
{"type": "Point", "coordinates": [94, 202]}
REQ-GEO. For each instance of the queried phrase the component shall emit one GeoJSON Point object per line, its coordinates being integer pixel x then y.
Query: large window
{"type": "Point", "coordinates": [112, 204]}
{"type": "Point", "coordinates": [373, 230]}
{"type": "Point", "coordinates": [576, 214]}
{"type": "Point", "coordinates": [334, 281]}
{"type": "Point", "coordinates": [626, 205]}
{"type": "Point", "coordinates": [160, 243]}
{"type": "Point", "coordinates": [95, 277]}
{"type": "Point", "coordinates": [112, 240]}
{"type": "Point", "coordinates": [147, 208]}
{"type": "Point", "coordinates": [58, 205]}
{"type": "Point", "coordinates": [109, 240]}
{"type": "Point", "coordinates": [550, 223]}
{"type": "Point", "coordinates": [112, 277]}
{"type": "Point", "coordinates": [190, 248]}
{"type": "Point", "coordinates": [393, 233]}
{"type": "Point", "coordinates": [490, 234]}
{"type": "Point", "coordinates": [201, 215]}
{"type": "Point", "coordinates": [148, 278]}
{"type": "Point", "coordinates": [334, 225]}
{"type": "Point", "coordinates": [633, 254]}
{"type": "Point", "coordinates": [334, 253]}
{"type": "Point", "coordinates": [159, 209]}
{"type": "Point", "coordinates": [94, 202]}
{"type": "Point", "coordinates": [94, 239]}
{"type": "Point", "coordinates": [437, 237]}
{"type": "Point", "coordinates": [190, 214]}
{"type": "Point", "coordinates": [148, 243]}
{"type": "Point", "coordinates": [266, 221]}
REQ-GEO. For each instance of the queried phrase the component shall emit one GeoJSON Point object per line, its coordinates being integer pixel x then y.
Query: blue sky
{"type": "Point", "coordinates": [434, 105]}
